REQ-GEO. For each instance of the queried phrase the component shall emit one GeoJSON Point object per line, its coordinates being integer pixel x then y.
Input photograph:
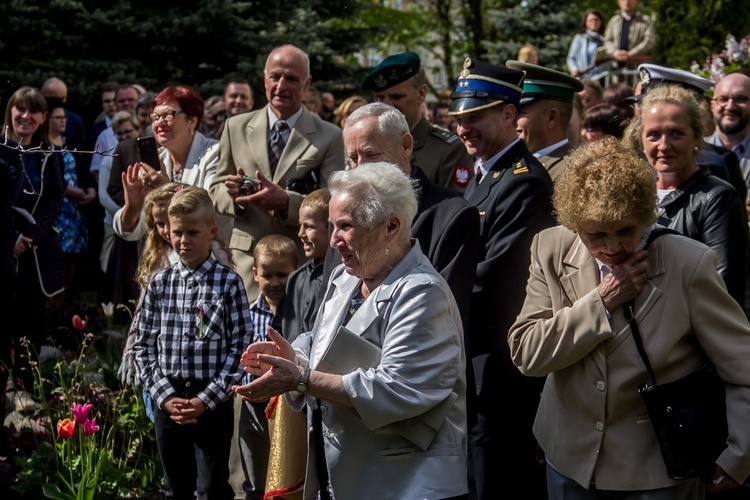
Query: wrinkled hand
{"type": "Point", "coordinates": [276, 365]}
{"type": "Point", "coordinates": [270, 197]}
{"type": "Point", "coordinates": [233, 183]}
{"type": "Point", "coordinates": [725, 482]}
{"type": "Point", "coordinates": [625, 281]}
{"type": "Point", "coordinates": [23, 244]}
{"type": "Point", "coordinates": [153, 178]}
{"type": "Point", "coordinates": [184, 411]}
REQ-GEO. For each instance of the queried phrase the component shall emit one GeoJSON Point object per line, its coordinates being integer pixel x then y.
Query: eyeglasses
{"type": "Point", "coordinates": [739, 100]}
{"type": "Point", "coordinates": [63, 117]}
{"type": "Point", "coordinates": [124, 133]}
{"type": "Point", "coordinates": [168, 116]}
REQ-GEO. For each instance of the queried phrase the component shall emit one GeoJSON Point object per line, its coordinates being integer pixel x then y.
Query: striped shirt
{"type": "Point", "coordinates": [194, 324]}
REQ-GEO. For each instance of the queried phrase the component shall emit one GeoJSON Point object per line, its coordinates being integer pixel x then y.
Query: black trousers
{"type": "Point", "coordinates": [196, 457]}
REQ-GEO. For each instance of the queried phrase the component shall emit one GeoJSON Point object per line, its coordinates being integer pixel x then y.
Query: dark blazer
{"type": "Point", "coordinates": [126, 153]}
{"type": "Point", "coordinates": [514, 203]}
{"type": "Point", "coordinates": [74, 138]}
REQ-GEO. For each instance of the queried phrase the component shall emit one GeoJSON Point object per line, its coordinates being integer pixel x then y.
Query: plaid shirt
{"type": "Point", "coordinates": [175, 342]}
{"type": "Point", "coordinates": [261, 317]}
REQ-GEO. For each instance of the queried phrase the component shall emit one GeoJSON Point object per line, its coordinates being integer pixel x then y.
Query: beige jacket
{"type": "Point", "coordinates": [591, 421]}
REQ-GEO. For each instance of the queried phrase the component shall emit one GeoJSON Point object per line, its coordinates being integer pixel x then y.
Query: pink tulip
{"type": "Point", "coordinates": [78, 322]}
{"type": "Point", "coordinates": [81, 413]}
{"type": "Point", "coordinates": [90, 427]}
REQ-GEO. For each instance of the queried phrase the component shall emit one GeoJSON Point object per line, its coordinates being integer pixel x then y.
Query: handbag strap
{"type": "Point", "coordinates": [629, 310]}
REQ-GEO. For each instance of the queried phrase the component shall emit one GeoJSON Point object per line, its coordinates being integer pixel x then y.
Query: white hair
{"type": "Point", "coordinates": [391, 122]}
{"type": "Point", "coordinates": [381, 190]}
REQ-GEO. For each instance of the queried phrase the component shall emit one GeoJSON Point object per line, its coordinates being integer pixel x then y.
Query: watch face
{"type": "Point", "coordinates": [302, 388]}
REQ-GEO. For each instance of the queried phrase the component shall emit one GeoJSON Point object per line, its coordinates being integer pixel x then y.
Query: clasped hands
{"type": "Point", "coordinates": [269, 197]}
{"type": "Point", "coordinates": [274, 363]}
{"type": "Point", "coordinates": [184, 411]}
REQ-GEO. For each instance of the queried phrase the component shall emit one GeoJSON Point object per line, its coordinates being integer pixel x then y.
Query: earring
{"type": "Point", "coordinates": [388, 249]}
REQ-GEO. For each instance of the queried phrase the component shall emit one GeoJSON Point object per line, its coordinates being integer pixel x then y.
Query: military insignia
{"type": "Point", "coordinates": [394, 76]}
{"type": "Point", "coordinates": [481, 214]}
{"type": "Point", "coordinates": [461, 176]}
{"type": "Point", "coordinates": [463, 83]}
{"type": "Point", "coordinates": [519, 168]}
{"type": "Point", "coordinates": [379, 81]}
{"type": "Point", "coordinates": [645, 76]}
{"type": "Point", "coordinates": [465, 72]}
{"type": "Point", "coordinates": [495, 175]}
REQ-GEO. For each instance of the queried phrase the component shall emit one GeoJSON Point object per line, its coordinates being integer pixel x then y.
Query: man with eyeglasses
{"type": "Point", "coordinates": [126, 97]}
{"type": "Point", "coordinates": [731, 109]}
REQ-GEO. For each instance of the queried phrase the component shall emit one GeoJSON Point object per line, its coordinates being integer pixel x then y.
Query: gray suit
{"type": "Point", "coordinates": [314, 146]}
{"type": "Point", "coordinates": [371, 451]}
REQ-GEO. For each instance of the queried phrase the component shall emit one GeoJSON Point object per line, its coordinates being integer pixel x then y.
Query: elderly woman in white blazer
{"type": "Point", "coordinates": [186, 157]}
{"type": "Point", "coordinates": [592, 423]}
{"type": "Point", "coordinates": [393, 415]}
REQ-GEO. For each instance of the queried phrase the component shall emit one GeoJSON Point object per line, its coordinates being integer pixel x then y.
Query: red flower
{"type": "Point", "coordinates": [78, 323]}
{"type": "Point", "coordinates": [65, 428]}
{"type": "Point", "coordinates": [81, 413]}
{"type": "Point", "coordinates": [90, 427]}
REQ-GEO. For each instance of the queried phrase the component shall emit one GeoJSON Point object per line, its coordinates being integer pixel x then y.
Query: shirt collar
{"type": "Point", "coordinates": [545, 151]}
{"type": "Point", "coordinates": [291, 121]}
{"type": "Point", "coordinates": [627, 17]}
{"type": "Point", "coordinates": [487, 166]}
{"type": "Point", "coordinates": [200, 271]}
{"type": "Point", "coordinates": [260, 304]}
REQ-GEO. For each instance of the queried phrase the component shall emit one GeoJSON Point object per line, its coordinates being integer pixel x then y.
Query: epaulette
{"type": "Point", "coordinates": [445, 135]}
{"type": "Point", "coordinates": [520, 168]}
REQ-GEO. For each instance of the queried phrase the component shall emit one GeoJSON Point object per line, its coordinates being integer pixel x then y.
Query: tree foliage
{"type": "Point", "coordinates": [196, 42]}
{"type": "Point", "coordinates": [691, 30]}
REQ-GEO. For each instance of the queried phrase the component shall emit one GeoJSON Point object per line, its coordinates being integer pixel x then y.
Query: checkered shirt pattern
{"type": "Point", "coordinates": [172, 343]}
{"type": "Point", "coordinates": [261, 317]}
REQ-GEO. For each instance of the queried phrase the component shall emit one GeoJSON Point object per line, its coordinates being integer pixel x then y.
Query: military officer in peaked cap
{"type": "Point", "coordinates": [512, 191]}
{"type": "Point", "coordinates": [400, 82]}
{"type": "Point", "coordinates": [544, 114]}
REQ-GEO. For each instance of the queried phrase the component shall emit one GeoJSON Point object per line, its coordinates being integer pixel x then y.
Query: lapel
{"type": "Point", "coordinates": [299, 141]}
{"type": "Point", "coordinates": [645, 301]}
{"type": "Point", "coordinates": [419, 133]}
{"type": "Point", "coordinates": [191, 170]}
{"type": "Point", "coordinates": [744, 161]}
{"type": "Point", "coordinates": [334, 309]}
{"type": "Point", "coordinates": [555, 157]}
{"type": "Point", "coordinates": [256, 132]}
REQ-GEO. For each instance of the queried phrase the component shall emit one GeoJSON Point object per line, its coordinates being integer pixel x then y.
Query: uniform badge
{"type": "Point", "coordinates": [461, 176]}
{"type": "Point", "coordinates": [465, 72]}
{"type": "Point", "coordinates": [645, 77]}
{"type": "Point", "coordinates": [380, 81]}
{"type": "Point", "coordinates": [519, 168]}
{"type": "Point", "coordinates": [495, 175]}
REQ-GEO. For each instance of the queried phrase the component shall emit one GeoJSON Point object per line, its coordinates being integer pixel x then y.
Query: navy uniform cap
{"type": "Point", "coordinates": [652, 76]}
{"type": "Point", "coordinates": [544, 83]}
{"type": "Point", "coordinates": [394, 69]}
{"type": "Point", "coordinates": [482, 85]}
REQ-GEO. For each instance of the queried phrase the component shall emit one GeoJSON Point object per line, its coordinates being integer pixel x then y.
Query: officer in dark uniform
{"type": "Point", "coordinates": [544, 114]}
{"type": "Point", "coordinates": [512, 192]}
{"type": "Point", "coordinates": [400, 82]}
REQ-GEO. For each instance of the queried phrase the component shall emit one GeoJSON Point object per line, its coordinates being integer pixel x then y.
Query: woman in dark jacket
{"type": "Point", "coordinates": [669, 128]}
{"type": "Point", "coordinates": [36, 209]}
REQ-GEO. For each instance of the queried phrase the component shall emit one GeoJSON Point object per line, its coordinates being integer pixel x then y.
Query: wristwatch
{"type": "Point", "coordinates": [302, 384]}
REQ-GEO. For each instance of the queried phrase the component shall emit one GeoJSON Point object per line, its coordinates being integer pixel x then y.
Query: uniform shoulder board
{"type": "Point", "coordinates": [445, 135]}
{"type": "Point", "coordinates": [519, 168]}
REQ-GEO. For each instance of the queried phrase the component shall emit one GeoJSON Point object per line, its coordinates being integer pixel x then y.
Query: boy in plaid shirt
{"type": "Point", "coordinates": [194, 325]}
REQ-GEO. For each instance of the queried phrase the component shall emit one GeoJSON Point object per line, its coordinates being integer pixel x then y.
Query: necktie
{"type": "Point", "coordinates": [276, 144]}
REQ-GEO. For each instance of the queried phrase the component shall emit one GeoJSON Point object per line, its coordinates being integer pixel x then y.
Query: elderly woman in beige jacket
{"type": "Point", "coordinates": [592, 423]}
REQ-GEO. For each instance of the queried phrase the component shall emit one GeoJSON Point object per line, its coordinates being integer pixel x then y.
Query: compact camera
{"type": "Point", "coordinates": [249, 185]}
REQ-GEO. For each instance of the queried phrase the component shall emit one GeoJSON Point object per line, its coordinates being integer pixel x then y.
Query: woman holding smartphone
{"type": "Point", "coordinates": [185, 156]}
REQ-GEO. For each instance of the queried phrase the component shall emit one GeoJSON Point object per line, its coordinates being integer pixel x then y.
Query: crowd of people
{"type": "Point", "coordinates": [375, 299]}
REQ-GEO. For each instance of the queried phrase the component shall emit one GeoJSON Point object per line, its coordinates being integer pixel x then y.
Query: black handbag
{"type": "Point", "coordinates": [688, 415]}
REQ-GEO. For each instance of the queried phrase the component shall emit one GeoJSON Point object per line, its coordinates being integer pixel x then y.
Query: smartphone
{"type": "Point", "coordinates": [148, 151]}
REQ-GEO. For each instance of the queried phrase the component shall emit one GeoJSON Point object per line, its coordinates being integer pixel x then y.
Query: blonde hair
{"type": "Point", "coordinates": [671, 94]}
{"type": "Point", "coordinates": [318, 202]}
{"type": "Point", "coordinates": [276, 245]}
{"type": "Point", "coordinates": [344, 109]}
{"type": "Point", "coordinates": [156, 249]}
{"type": "Point", "coordinates": [604, 182]}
